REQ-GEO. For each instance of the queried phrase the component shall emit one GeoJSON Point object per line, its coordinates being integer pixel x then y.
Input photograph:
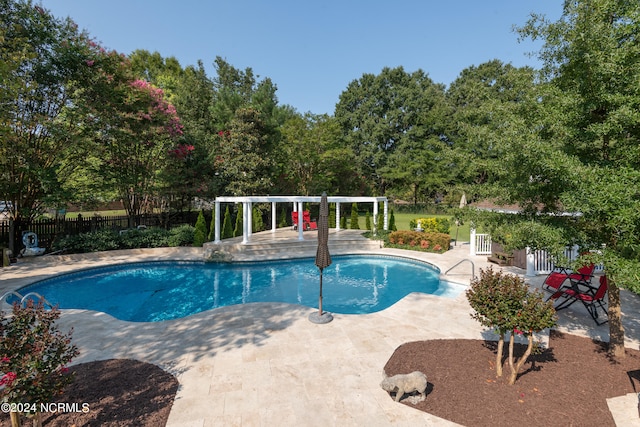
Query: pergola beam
{"type": "Point", "coordinates": [297, 201]}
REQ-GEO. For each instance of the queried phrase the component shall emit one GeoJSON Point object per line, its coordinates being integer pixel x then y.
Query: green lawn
{"type": "Point", "coordinates": [403, 219]}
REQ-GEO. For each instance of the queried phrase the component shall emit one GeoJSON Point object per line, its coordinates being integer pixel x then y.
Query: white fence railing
{"type": "Point", "coordinates": [483, 244]}
{"type": "Point", "coordinates": [544, 265]}
{"type": "Point", "coordinates": [538, 262]}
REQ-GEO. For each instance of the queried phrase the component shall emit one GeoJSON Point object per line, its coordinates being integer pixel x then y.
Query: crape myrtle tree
{"type": "Point", "coordinates": [128, 125]}
{"type": "Point", "coordinates": [191, 92]}
{"type": "Point", "coordinates": [40, 58]}
{"type": "Point", "coordinates": [504, 303]}
{"type": "Point", "coordinates": [393, 113]}
{"type": "Point", "coordinates": [581, 153]}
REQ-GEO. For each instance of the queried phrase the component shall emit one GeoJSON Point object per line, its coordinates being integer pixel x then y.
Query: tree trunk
{"type": "Point", "coordinates": [499, 356]}
{"type": "Point", "coordinates": [15, 419]}
{"type": "Point", "coordinates": [37, 419]}
{"type": "Point", "coordinates": [515, 369]}
{"type": "Point", "coordinates": [510, 358]}
{"type": "Point", "coordinates": [616, 329]}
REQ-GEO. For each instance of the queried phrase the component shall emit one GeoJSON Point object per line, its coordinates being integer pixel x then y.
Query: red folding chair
{"type": "Point", "coordinates": [592, 298]}
{"type": "Point", "coordinates": [307, 224]}
{"type": "Point", "coordinates": [555, 281]}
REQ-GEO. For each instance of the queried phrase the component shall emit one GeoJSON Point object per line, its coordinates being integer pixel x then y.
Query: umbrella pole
{"type": "Point", "coordinates": [320, 298]}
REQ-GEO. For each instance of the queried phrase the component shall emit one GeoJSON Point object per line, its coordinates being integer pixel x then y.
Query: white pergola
{"type": "Point", "coordinates": [297, 201]}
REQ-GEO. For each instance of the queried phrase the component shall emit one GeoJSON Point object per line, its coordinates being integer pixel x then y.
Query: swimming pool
{"type": "Point", "coordinates": [164, 290]}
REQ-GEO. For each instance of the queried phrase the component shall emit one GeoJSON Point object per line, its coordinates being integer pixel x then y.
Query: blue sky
{"type": "Point", "coordinates": [313, 50]}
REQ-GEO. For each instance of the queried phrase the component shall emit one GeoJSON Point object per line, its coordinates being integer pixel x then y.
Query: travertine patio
{"type": "Point", "coordinates": [266, 364]}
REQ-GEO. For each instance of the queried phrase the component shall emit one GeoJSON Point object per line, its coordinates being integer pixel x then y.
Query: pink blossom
{"type": "Point", "coordinates": [5, 359]}
{"type": "Point", "coordinates": [182, 151]}
{"type": "Point", "coordinates": [89, 62]}
{"type": "Point", "coordinates": [8, 379]}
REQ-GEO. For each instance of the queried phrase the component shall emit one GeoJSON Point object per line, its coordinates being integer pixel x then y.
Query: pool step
{"type": "Point", "coordinates": [268, 245]}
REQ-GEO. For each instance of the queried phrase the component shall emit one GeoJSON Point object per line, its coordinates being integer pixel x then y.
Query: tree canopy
{"type": "Point", "coordinates": [82, 124]}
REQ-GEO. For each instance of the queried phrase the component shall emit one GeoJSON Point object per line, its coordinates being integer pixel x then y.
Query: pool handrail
{"type": "Point", "coordinates": [473, 267]}
{"type": "Point", "coordinates": [39, 297]}
{"type": "Point", "coordinates": [23, 298]}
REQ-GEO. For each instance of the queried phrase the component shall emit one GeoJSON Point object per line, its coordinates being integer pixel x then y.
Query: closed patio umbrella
{"type": "Point", "coordinates": [323, 258]}
{"type": "Point", "coordinates": [463, 201]}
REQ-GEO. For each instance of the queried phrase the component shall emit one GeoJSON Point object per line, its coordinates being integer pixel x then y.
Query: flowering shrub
{"type": "Point", "coordinates": [182, 151]}
{"type": "Point", "coordinates": [416, 240]}
{"type": "Point", "coordinates": [504, 303]}
{"type": "Point", "coordinates": [33, 355]}
{"type": "Point", "coordinates": [439, 225]}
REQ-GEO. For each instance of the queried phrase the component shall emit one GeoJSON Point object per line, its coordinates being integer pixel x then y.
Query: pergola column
{"type": "Point", "coordinates": [300, 220]}
{"type": "Point", "coordinates": [217, 222]}
{"type": "Point", "coordinates": [337, 216]}
{"type": "Point", "coordinates": [375, 215]}
{"type": "Point", "coordinates": [386, 214]}
{"type": "Point", "coordinates": [245, 223]}
{"type": "Point", "coordinates": [273, 217]}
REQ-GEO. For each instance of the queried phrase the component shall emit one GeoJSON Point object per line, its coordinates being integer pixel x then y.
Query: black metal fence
{"type": "Point", "coordinates": [48, 230]}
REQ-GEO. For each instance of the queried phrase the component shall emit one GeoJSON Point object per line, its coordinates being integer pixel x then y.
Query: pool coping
{"type": "Point", "coordinates": [262, 363]}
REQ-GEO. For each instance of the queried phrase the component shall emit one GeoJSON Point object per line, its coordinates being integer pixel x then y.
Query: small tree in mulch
{"type": "Point", "coordinates": [343, 222]}
{"type": "Point", "coordinates": [367, 221]}
{"type": "Point", "coordinates": [33, 358]}
{"type": "Point", "coordinates": [200, 235]}
{"type": "Point", "coordinates": [354, 225]}
{"type": "Point", "coordinates": [503, 302]}
{"type": "Point", "coordinates": [380, 221]}
{"type": "Point", "coordinates": [227, 230]}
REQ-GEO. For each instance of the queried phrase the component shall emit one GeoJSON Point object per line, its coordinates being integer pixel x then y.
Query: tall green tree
{"type": "Point", "coordinates": [243, 155]}
{"type": "Point", "coordinates": [391, 119]}
{"type": "Point", "coordinates": [485, 101]}
{"type": "Point", "coordinates": [314, 157]}
{"type": "Point", "coordinates": [41, 56]}
{"type": "Point", "coordinates": [583, 155]}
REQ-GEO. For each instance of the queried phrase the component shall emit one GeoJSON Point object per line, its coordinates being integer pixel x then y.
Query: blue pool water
{"type": "Point", "coordinates": [157, 291]}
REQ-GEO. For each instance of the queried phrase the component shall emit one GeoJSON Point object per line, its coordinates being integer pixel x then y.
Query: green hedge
{"type": "Point", "coordinates": [109, 240]}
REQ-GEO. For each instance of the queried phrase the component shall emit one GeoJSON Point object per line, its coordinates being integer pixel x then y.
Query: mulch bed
{"type": "Point", "coordinates": [119, 393]}
{"type": "Point", "coordinates": [567, 384]}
